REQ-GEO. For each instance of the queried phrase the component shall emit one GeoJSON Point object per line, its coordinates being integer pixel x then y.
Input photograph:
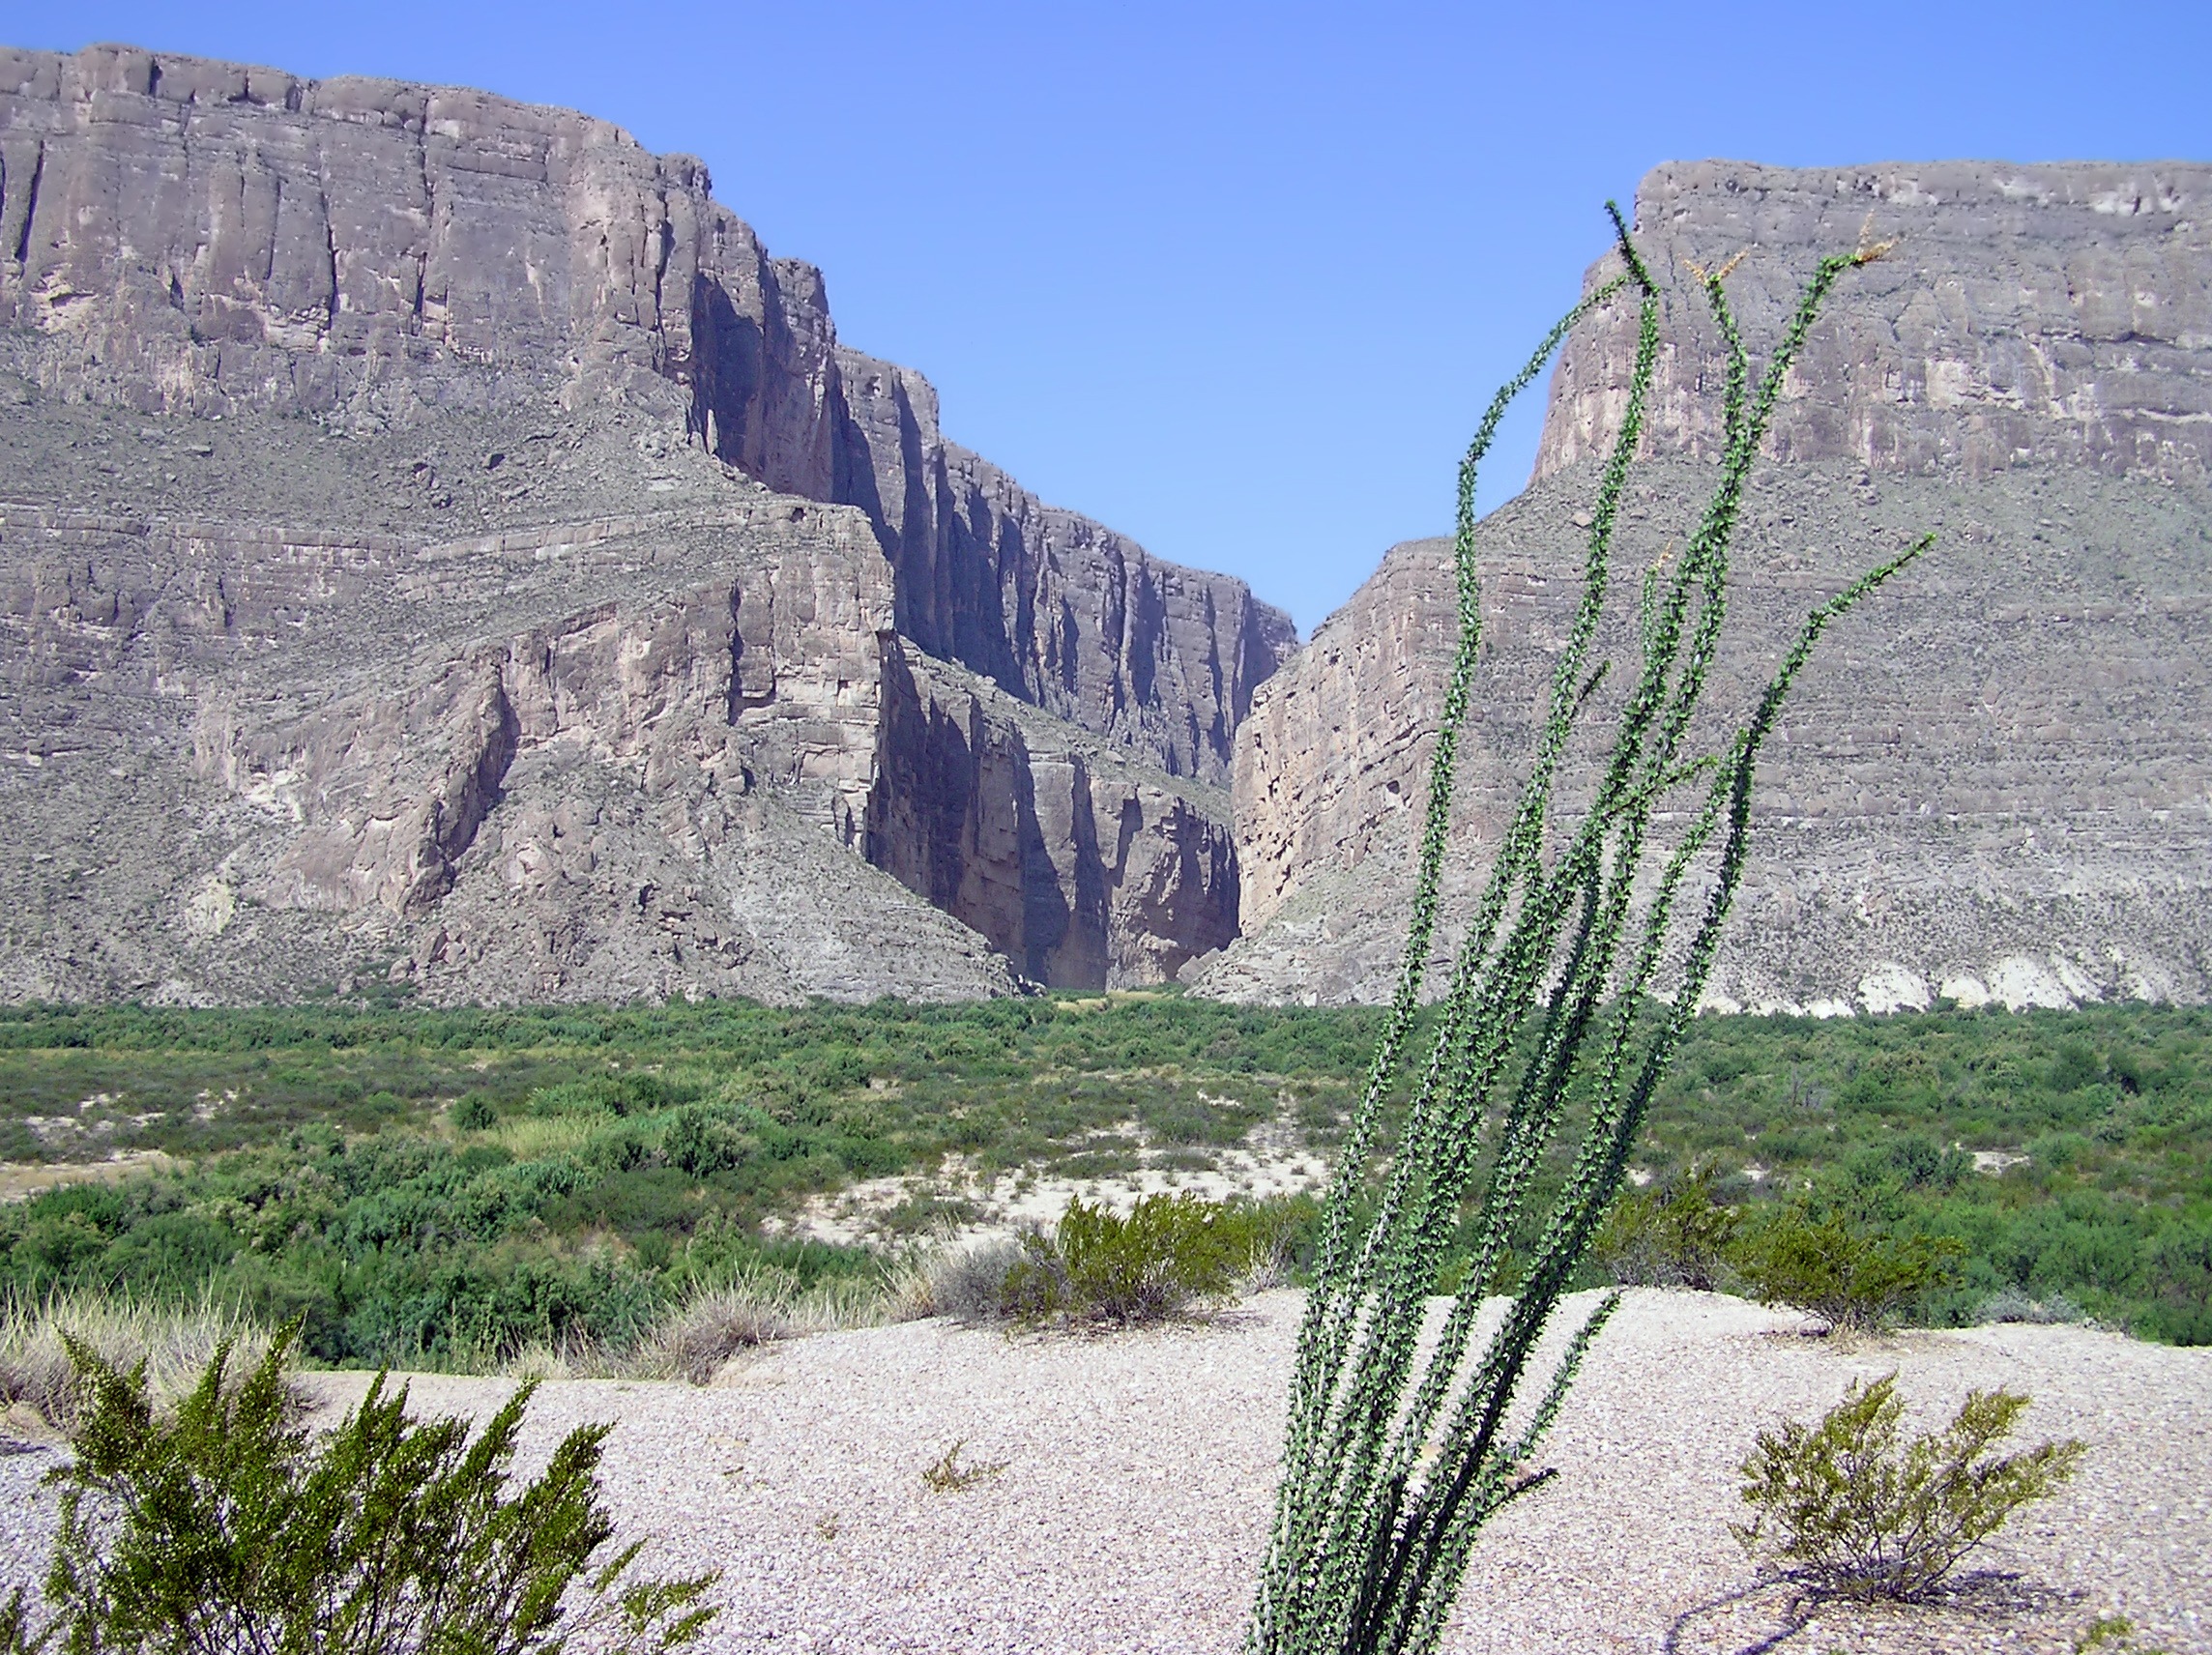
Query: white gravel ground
{"type": "Point", "coordinates": [1139, 1467]}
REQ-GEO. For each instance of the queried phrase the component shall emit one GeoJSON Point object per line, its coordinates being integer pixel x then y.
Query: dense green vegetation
{"type": "Point", "coordinates": [440, 1187]}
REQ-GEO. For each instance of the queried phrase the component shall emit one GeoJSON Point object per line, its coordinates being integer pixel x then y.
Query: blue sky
{"type": "Point", "coordinates": [1238, 279]}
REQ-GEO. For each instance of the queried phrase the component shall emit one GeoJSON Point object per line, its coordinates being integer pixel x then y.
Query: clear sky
{"type": "Point", "coordinates": [1237, 280]}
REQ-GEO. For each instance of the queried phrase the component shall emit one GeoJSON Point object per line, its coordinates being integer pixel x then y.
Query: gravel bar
{"type": "Point", "coordinates": [1138, 1470]}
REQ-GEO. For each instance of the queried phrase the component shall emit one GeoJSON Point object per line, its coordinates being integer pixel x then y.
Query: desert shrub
{"type": "Point", "coordinates": [1853, 1279]}
{"type": "Point", "coordinates": [1169, 1254]}
{"type": "Point", "coordinates": [948, 1474]}
{"type": "Point", "coordinates": [2013, 1305]}
{"type": "Point", "coordinates": [1679, 1238]}
{"type": "Point", "coordinates": [969, 1283]}
{"type": "Point", "coordinates": [228, 1527]}
{"type": "Point", "coordinates": [701, 1140]}
{"type": "Point", "coordinates": [1861, 1517]}
{"type": "Point", "coordinates": [2181, 1269]}
{"type": "Point", "coordinates": [474, 1114]}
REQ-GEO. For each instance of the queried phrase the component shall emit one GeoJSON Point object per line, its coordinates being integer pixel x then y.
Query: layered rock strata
{"type": "Point", "coordinates": [195, 237]}
{"type": "Point", "coordinates": [2024, 316]}
{"type": "Point", "coordinates": [1994, 781]}
{"type": "Point", "coordinates": [445, 546]}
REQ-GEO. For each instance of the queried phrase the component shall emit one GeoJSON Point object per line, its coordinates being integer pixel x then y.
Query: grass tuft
{"type": "Point", "coordinates": [41, 1388]}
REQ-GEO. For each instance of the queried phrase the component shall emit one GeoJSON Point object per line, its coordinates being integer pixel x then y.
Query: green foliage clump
{"type": "Point", "coordinates": [227, 1526]}
{"type": "Point", "coordinates": [1854, 1279]}
{"type": "Point", "coordinates": [1860, 1517]}
{"type": "Point", "coordinates": [474, 1114]}
{"type": "Point", "coordinates": [1167, 1255]}
{"type": "Point", "coordinates": [1679, 1238]}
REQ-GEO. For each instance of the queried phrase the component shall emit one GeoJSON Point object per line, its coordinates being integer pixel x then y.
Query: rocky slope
{"type": "Point", "coordinates": [1994, 781]}
{"type": "Point", "coordinates": [441, 542]}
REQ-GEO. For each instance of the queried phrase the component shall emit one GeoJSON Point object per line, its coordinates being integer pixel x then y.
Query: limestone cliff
{"type": "Point", "coordinates": [2026, 316]}
{"type": "Point", "coordinates": [1077, 865]}
{"type": "Point", "coordinates": [185, 236]}
{"type": "Point", "coordinates": [442, 542]}
{"type": "Point", "coordinates": [1995, 782]}
{"type": "Point", "coordinates": [1049, 606]}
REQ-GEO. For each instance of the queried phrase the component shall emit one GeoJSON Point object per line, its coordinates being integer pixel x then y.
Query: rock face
{"type": "Point", "coordinates": [1079, 865]}
{"type": "Point", "coordinates": [2025, 316]}
{"type": "Point", "coordinates": [1994, 781]}
{"type": "Point", "coordinates": [1051, 607]}
{"type": "Point", "coordinates": [442, 544]}
{"type": "Point", "coordinates": [198, 237]}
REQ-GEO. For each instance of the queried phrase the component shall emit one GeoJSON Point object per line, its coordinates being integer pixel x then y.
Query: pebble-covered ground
{"type": "Point", "coordinates": [1138, 1470]}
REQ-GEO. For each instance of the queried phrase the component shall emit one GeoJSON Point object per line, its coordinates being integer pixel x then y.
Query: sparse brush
{"type": "Point", "coordinates": [174, 1341]}
{"type": "Point", "coordinates": [2015, 1304]}
{"type": "Point", "coordinates": [1858, 1516]}
{"type": "Point", "coordinates": [1679, 1238]}
{"type": "Point", "coordinates": [948, 1475]}
{"type": "Point", "coordinates": [968, 1283]}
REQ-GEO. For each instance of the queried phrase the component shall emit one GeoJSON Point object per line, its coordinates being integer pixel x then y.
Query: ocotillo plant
{"type": "Point", "coordinates": [1396, 1458]}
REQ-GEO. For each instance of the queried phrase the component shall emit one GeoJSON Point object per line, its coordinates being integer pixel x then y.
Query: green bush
{"type": "Point", "coordinates": [1855, 1279]}
{"type": "Point", "coordinates": [227, 1527]}
{"type": "Point", "coordinates": [474, 1114]}
{"type": "Point", "coordinates": [1859, 1518]}
{"type": "Point", "coordinates": [1169, 1254]}
{"type": "Point", "coordinates": [1679, 1238]}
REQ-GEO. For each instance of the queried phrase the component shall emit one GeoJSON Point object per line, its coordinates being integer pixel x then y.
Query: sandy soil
{"type": "Point", "coordinates": [1138, 1472]}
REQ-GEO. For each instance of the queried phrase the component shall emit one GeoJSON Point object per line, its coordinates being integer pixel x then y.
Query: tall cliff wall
{"type": "Point", "coordinates": [615, 604]}
{"type": "Point", "coordinates": [1051, 607]}
{"type": "Point", "coordinates": [189, 236]}
{"type": "Point", "coordinates": [2024, 316]}
{"type": "Point", "coordinates": [1077, 865]}
{"type": "Point", "coordinates": [1996, 781]}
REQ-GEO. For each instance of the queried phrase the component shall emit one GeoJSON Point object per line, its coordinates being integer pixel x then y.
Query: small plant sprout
{"type": "Point", "coordinates": [2114, 1634]}
{"type": "Point", "coordinates": [948, 1476]}
{"type": "Point", "coordinates": [1582, 964]}
{"type": "Point", "coordinates": [1856, 1514]}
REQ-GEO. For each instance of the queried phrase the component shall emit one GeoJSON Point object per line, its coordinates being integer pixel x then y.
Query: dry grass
{"type": "Point", "coordinates": [540, 1138]}
{"type": "Point", "coordinates": [693, 1339]}
{"type": "Point", "coordinates": [40, 1391]}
